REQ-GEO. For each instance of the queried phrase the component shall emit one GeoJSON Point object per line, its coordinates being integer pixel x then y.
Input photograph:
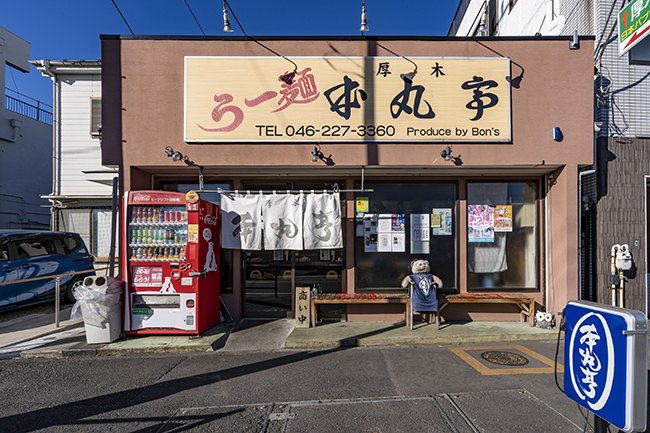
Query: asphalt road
{"type": "Point", "coordinates": [364, 390]}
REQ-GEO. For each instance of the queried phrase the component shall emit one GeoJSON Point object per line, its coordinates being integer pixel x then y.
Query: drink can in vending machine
{"type": "Point", "coordinates": [178, 216]}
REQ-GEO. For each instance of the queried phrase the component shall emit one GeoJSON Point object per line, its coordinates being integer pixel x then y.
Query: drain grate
{"type": "Point", "coordinates": [504, 358]}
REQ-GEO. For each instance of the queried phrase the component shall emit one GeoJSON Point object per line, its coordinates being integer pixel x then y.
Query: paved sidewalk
{"type": "Point", "coordinates": [251, 335]}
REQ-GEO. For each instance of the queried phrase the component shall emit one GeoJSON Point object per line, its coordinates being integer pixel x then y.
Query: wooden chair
{"type": "Point", "coordinates": [422, 313]}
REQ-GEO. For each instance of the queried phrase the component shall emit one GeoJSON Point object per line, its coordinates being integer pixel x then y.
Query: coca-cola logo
{"type": "Point", "coordinates": [138, 198]}
{"type": "Point", "coordinates": [210, 220]}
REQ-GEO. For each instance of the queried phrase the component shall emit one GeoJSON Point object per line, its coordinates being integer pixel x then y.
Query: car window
{"type": "Point", "coordinates": [33, 247]}
{"type": "Point", "coordinates": [71, 243]}
{"type": "Point", "coordinates": [4, 252]}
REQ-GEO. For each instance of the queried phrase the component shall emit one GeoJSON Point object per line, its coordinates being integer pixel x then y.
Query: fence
{"type": "Point", "coordinates": [36, 110]}
{"type": "Point", "coordinates": [57, 287]}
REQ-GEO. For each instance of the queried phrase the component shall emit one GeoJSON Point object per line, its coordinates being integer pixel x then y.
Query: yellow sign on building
{"type": "Point", "coordinates": [347, 99]}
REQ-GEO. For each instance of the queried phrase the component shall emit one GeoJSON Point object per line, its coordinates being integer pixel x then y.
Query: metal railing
{"type": "Point", "coordinates": [34, 109]}
{"type": "Point", "coordinates": [57, 287]}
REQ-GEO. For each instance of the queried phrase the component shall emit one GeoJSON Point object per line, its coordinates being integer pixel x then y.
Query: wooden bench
{"type": "Point", "coordinates": [359, 298]}
{"type": "Point", "coordinates": [525, 303]}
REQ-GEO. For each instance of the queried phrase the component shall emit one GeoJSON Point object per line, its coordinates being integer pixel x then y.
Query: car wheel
{"type": "Point", "coordinates": [72, 286]}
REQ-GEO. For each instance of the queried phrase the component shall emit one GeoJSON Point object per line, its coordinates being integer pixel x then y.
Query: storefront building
{"type": "Point", "coordinates": [462, 152]}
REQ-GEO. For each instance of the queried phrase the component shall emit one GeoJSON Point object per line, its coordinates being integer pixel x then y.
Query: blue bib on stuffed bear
{"type": "Point", "coordinates": [424, 296]}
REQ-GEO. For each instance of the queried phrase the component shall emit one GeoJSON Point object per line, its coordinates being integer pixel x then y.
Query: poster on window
{"type": "Point", "coordinates": [370, 222]}
{"type": "Point", "coordinates": [398, 223]}
{"type": "Point", "coordinates": [503, 218]}
{"type": "Point", "coordinates": [420, 233]}
{"type": "Point", "coordinates": [384, 243]}
{"type": "Point", "coordinates": [441, 222]}
{"type": "Point", "coordinates": [480, 223]}
{"type": "Point", "coordinates": [385, 223]}
{"type": "Point", "coordinates": [398, 244]}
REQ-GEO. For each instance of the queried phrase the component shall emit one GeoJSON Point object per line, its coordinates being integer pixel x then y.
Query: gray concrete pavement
{"type": "Point", "coordinates": [252, 335]}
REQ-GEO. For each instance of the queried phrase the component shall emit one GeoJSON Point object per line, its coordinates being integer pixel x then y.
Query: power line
{"type": "Point", "coordinates": [295, 67]}
{"type": "Point", "coordinates": [120, 12]}
{"type": "Point", "coordinates": [194, 16]}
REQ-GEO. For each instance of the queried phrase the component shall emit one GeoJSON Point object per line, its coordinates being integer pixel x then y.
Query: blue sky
{"type": "Point", "coordinates": [70, 29]}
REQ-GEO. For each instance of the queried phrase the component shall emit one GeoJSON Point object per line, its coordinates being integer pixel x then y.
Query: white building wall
{"type": "Point", "coordinates": [80, 153]}
{"type": "Point", "coordinates": [622, 98]}
{"type": "Point", "coordinates": [25, 151]}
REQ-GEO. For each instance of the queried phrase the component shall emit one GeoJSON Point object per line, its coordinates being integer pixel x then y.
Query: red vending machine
{"type": "Point", "coordinates": [170, 263]}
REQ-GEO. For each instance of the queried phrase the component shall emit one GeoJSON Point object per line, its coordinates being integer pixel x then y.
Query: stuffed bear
{"type": "Point", "coordinates": [423, 296]}
{"type": "Point", "coordinates": [420, 267]}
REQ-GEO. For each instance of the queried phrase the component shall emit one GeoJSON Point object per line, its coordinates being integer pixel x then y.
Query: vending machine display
{"type": "Point", "coordinates": [170, 262]}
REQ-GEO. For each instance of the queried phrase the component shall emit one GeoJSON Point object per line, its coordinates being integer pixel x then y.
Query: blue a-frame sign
{"type": "Point", "coordinates": [606, 364]}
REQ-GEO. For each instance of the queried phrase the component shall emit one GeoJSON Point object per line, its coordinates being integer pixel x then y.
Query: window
{"type": "Point", "coordinates": [32, 247]}
{"type": "Point", "coordinates": [4, 252]}
{"type": "Point", "coordinates": [71, 243]}
{"type": "Point", "coordinates": [502, 235]}
{"type": "Point", "coordinates": [402, 222]}
{"type": "Point", "coordinates": [95, 117]}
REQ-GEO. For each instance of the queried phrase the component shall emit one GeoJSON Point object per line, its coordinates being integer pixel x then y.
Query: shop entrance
{"type": "Point", "coordinates": [270, 277]}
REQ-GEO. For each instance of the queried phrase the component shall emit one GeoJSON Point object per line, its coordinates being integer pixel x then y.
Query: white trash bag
{"type": "Point", "coordinates": [97, 299]}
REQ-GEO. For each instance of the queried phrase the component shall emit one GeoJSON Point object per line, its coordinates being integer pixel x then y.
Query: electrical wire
{"type": "Point", "coordinates": [122, 15]}
{"type": "Point", "coordinates": [194, 16]}
{"type": "Point", "coordinates": [234, 15]}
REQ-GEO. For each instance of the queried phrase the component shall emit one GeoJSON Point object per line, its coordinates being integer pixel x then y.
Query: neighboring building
{"type": "Point", "coordinates": [81, 197]}
{"type": "Point", "coordinates": [444, 147]}
{"type": "Point", "coordinates": [25, 145]}
{"type": "Point", "coordinates": [616, 188]}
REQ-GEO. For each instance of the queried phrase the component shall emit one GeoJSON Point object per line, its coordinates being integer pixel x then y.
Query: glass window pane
{"type": "Point", "coordinates": [404, 222]}
{"type": "Point", "coordinates": [502, 235]}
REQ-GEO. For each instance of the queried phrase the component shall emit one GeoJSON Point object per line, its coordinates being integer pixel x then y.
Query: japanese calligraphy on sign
{"type": "Point", "coordinates": [303, 301]}
{"type": "Point", "coordinates": [347, 99]}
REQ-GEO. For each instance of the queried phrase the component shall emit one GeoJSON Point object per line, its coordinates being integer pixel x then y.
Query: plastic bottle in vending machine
{"type": "Point", "coordinates": [138, 215]}
{"type": "Point", "coordinates": [177, 237]}
{"type": "Point", "coordinates": [138, 253]}
{"type": "Point", "coordinates": [181, 253]}
{"type": "Point", "coordinates": [172, 253]}
{"type": "Point", "coordinates": [178, 216]}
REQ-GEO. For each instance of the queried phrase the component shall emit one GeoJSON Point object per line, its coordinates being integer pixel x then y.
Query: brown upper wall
{"type": "Point", "coordinates": [146, 78]}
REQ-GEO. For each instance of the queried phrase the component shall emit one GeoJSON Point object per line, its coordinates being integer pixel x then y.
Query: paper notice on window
{"type": "Point", "coordinates": [441, 222]}
{"type": "Point", "coordinates": [385, 223]}
{"type": "Point", "coordinates": [420, 233]}
{"type": "Point", "coordinates": [398, 242]}
{"type": "Point", "coordinates": [384, 244]}
{"type": "Point", "coordinates": [503, 218]}
{"type": "Point", "coordinates": [370, 242]}
{"type": "Point", "coordinates": [370, 221]}
{"type": "Point", "coordinates": [420, 227]}
{"type": "Point", "coordinates": [398, 223]}
{"type": "Point", "coordinates": [480, 223]}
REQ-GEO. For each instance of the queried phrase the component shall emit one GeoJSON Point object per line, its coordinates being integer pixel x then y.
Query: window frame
{"type": "Point", "coordinates": [538, 238]}
{"type": "Point", "coordinates": [95, 120]}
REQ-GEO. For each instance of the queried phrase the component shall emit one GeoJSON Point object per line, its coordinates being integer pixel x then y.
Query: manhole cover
{"type": "Point", "coordinates": [504, 358]}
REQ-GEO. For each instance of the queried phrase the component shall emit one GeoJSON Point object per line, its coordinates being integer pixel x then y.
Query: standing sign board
{"type": "Point", "coordinates": [633, 24]}
{"type": "Point", "coordinates": [606, 362]}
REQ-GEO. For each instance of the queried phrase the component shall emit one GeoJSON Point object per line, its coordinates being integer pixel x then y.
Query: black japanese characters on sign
{"type": "Point", "coordinates": [458, 99]}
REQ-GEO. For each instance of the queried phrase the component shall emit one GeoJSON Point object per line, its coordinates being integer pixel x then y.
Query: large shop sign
{"type": "Point", "coordinates": [633, 24]}
{"type": "Point", "coordinates": [347, 99]}
{"type": "Point", "coordinates": [605, 356]}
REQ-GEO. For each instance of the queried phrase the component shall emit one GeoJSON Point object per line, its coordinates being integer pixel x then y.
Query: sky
{"type": "Point", "coordinates": [70, 29]}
